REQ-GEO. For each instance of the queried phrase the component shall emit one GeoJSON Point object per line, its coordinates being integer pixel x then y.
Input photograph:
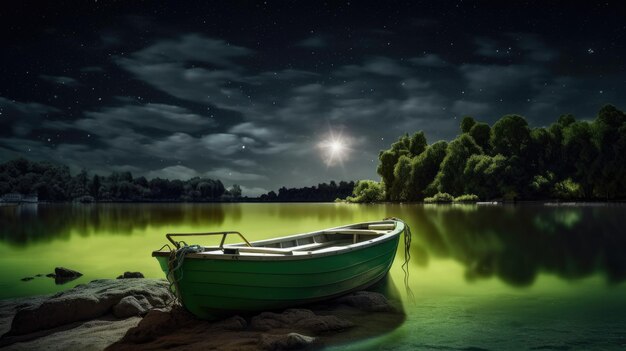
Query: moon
{"type": "Point", "coordinates": [335, 149]}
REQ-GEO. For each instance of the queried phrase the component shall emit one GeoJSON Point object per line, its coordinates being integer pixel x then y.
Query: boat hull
{"type": "Point", "coordinates": [213, 288]}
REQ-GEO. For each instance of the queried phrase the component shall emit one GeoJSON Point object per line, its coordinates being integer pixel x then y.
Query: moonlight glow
{"type": "Point", "coordinates": [334, 149]}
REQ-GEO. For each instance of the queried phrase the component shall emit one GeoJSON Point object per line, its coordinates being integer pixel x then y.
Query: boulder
{"type": "Point", "coordinates": [127, 275]}
{"type": "Point", "coordinates": [62, 272]}
{"type": "Point", "coordinates": [88, 301]}
{"type": "Point", "coordinates": [299, 319]}
{"type": "Point", "coordinates": [284, 341]}
{"type": "Point", "coordinates": [131, 306]}
{"type": "Point", "coordinates": [332, 322]}
{"type": "Point", "coordinates": [232, 323]}
{"type": "Point", "coordinates": [63, 275]}
{"type": "Point", "coordinates": [367, 301]}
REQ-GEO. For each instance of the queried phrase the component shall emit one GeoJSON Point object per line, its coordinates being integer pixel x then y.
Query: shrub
{"type": "Point", "coordinates": [466, 198]}
{"type": "Point", "coordinates": [440, 198]}
{"type": "Point", "coordinates": [367, 191]}
{"type": "Point", "coordinates": [567, 190]}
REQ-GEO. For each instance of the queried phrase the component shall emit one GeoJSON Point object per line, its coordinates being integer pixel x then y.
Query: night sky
{"type": "Point", "coordinates": [251, 93]}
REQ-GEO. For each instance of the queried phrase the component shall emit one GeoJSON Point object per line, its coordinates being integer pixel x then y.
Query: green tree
{"type": "Point", "coordinates": [424, 168]}
{"type": "Point", "coordinates": [389, 158]}
{"type": "Point", "coordinates": [481, 134]}
{"type": "Point", "coordinates": [417, 144]}
{"type": "Point", "coordinates": [484, 176]}
{"type": "Point", "coordinates": [581, 154]}
{"type": "Point", "coordinates": [450, 176]}
{"type": "Point", "coordinates": [467, 123]}
{"type": "Point", "coordinates": [544, 151]}
{"type": "Point", "coordinates": [607, 134]}
{"type": "Point", "coordinates": [401, 189]}
{"type": "Point", "coordinates": [79, 185]}
{"type": "Point", "coordinates": [94, 187]}
{"type": "Point", "coordinates": [510, 135]}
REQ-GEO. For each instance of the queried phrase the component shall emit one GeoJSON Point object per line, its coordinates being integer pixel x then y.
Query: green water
{"type": "Point", "coordinates": [527, 277]}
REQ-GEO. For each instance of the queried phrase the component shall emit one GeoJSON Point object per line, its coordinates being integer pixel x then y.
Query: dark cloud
{"type": "Point", "coordinates": [20, 118]}
{"type": "Point", "coordinates": [315, 41]}
{"type": "Point", "coordinates": [62, 80]}
{"type": "Point", "coordinates": [430, 60]}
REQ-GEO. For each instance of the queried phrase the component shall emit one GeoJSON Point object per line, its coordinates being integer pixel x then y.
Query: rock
{"type": "Point", "coordinates": [87, 301]}
{"type": "Point", "coordinates": [131, 306]}
{"type": "Point", "coordinates": [331, 323]}
{"type": "Point", "coordinates": [51, 275]}
{"type": "Point", "coordinates": [367, 301]}
{"type": "Point", "coordinates": [61, 272]}
{"type": "Point", "coordinates": [284, 341]}
{"type": "Point", "coordinates": [158, 323]}
{"type": "Point", "coordinates": [298, 319]}
{"type": "Point", "coordinates": [27, 279]}
{"type": "Point", "coordinates": [232, 323]}
{"type": "Point", "coordinates": [127, 275]}
{"type": "Point", "coordinates": [63, 275]}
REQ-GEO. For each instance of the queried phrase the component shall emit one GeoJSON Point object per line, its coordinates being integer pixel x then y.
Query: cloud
{"type": "Point", "coordinates": [253, 129]}
{"type": "Point", "coordinates": [315, 41]}
{"type": "Point", "coordinates": [429, 60]}
{"type": "Point", "coordinates": [225, 144]}
{"type": "Point", "coordinates": [173, 172]}
{"type": "Point", "coordinates": [534, 47]}
{"type": "Point", "coordinates": [22, 117]}
{"type": "Point", "coordinates": [227, 174]}
{"type": "Point", "coordinates": [280, 75]}
{"type": "Point", "coordinates": [490, 48]}
{"type": "Point", "coordinates": [245, 163]}
{"type": "Point", "coordinates": [119, 120]}
{"type": "Point", "coordinates": [159, 116]}
{"type": "Point", "coordinates": [383, 66]}
{"type": "Point", "coordinates": [507, 45]}
{"type": "Point", "coordinates": [61, 80]}
{"type": "Point", "coordinates": [498, 79]}
{"type": "Point", "coordinates": [192, 47]}
{"type": "Point", "coordinates": [471, 108]}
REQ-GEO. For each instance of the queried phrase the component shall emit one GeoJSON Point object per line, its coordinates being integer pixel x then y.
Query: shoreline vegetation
{"type": "Point", "coordinates": [49, 182]}
{"type": "Point", "coordinates": [570, 160]}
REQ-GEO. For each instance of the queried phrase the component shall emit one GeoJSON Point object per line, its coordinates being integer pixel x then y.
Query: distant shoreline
{"type": "Point", "coordinates": [548, 202]}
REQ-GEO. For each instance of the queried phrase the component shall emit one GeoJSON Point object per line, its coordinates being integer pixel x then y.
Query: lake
{"type": "Point", "coordinates": [529, 276]}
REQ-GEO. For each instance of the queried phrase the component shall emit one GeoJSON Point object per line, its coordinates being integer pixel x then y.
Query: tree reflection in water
{"type": "Point", "coordinates": [516, 243]}
{"type": "Point", "coordinates": [23, 224]}
{"type": "Point", "coordinates": [512, 243]}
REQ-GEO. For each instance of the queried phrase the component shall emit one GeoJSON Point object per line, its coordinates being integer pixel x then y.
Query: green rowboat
{"type": "Point", "coordinates": [215, 281]}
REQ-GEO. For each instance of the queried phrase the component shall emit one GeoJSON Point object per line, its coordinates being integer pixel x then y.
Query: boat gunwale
{"type": "Point", "coordinates": [308, 255]}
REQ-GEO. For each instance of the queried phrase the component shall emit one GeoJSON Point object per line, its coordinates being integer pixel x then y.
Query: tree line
{"type": "Point", "coordinates": [322, 193]}
{"type": "Point", "coordinates": [53, 182]}
{"type": "Point", "coordinates": [570, 159]}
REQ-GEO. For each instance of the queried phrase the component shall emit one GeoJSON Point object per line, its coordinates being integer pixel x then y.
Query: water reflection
{"type": "Point", "coordinates": [23, 224]}
{"type": "Point", "coordinates": [516, 243]}
{"type": "Point", "coordinates": [513, 243]}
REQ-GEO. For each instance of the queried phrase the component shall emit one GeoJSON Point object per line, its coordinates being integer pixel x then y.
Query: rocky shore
{"type": "Point", "coordinates": [139, 314]}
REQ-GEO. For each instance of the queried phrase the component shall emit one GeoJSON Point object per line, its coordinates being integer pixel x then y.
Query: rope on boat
{"type": "Point", "coordinates": [407, 257]}
{"type": "Point", "coordinates": [175, 263]}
